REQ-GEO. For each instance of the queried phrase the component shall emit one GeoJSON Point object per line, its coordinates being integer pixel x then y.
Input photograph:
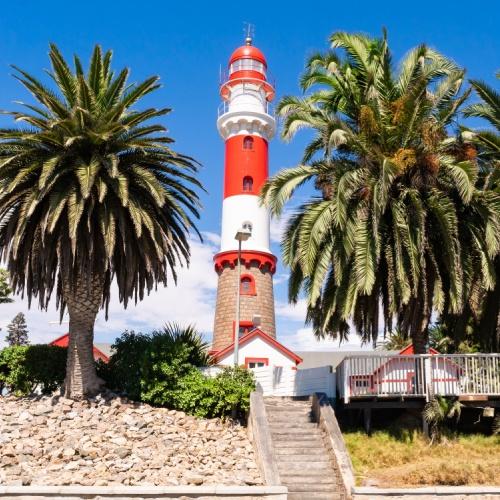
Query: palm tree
{"type": "Point", "coordinates": [174, 335]}
{"type": "Point", "coordinates": [488, 145]}
{"type": "Point", "coordinates": [488, 109]}
{"type": "Point", "coordinates": [91, 192]}
{"type": "Point", "coordinates": [399, 225]}
{"type": "Point", "coordinates": [438, 411]}
{"type": "Point", "coordinates": [396, 341]}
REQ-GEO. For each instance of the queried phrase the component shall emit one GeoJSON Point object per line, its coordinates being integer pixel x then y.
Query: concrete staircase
{"type": "Point", "coordinates": [306, 466]}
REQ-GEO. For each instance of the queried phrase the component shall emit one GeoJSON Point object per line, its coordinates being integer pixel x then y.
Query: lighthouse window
{"type": "Point", "coordinates": [247, 285]}
{"type": "Point", "coordinates": [247, 65]}
{"type": "Point", "coordinates": [248, 142]}
{"type": "Point", "coordinates": [247, 183]}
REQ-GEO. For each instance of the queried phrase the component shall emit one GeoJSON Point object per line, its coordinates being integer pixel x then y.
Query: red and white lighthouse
{"type": "Point", "coordinates": [247, 126]}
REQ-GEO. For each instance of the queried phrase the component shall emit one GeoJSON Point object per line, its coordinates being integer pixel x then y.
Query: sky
{"type": "Point", "coordinates": [186, 44]}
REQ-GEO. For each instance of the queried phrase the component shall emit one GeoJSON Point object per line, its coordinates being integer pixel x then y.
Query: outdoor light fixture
{"type": "Point", "coordinates": [241, 235]}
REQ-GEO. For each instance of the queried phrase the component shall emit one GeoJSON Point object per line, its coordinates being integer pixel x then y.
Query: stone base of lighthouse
{"type": "Point", "coordinates": [256, 299]}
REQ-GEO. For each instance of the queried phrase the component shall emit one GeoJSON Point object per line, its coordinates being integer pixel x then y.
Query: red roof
{"type": "Point", "coordinates": [408, 350]}
{"type": "Point", "coordinates": [257, 332]}
{"type": "Point", "coordinates": [248, 52]}
{"type": "Point", "coordinates": [63, 341]}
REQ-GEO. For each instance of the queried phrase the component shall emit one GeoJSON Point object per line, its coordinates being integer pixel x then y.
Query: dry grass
{"type": "Point", "coordinates": [386, 460]}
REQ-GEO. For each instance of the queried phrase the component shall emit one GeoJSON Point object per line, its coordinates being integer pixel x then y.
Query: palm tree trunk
{"type": "Point", "coordinates": [83, 298]}
{"type": "Point", "coordinates": [489, 324]}
{"type": "Point", "coordinates": [421, 314]}
{"type": "Point", "coordinates": [420, 341]}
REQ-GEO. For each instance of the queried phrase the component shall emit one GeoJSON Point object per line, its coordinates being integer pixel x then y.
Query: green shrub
{"type": "Point", "coordinates": [24, 369]}
{"type": "Point", "coordinates": [123, 372]}
{"type": "Point", "coordinates": [226, 394]}
{"type": "Point", "coordinates": [161, 369]}
{"type": "Point", "coordinates": [153, 363]}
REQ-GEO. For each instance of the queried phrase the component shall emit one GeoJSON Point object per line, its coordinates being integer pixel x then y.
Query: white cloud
{"type": "Point", "coordinates": [278, 279]}
{"type": "Point", "coordinates": [211, 238]}
{"type": "Point", "coordinates": [293, 312]}
{"type": "Point", "coordinates": [192, 301]}
{"type": "Point", "coordinates": [304, 340]}
{"type": "Point", "coordinates": [278, 226]}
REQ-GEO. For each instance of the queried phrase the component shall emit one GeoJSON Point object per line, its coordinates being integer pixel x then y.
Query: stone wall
{"type": "Point", "coordinates": [262, 303]}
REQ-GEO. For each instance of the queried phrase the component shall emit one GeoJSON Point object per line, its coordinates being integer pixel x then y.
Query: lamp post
{"type": "Point", "coordinates": [241, 235]}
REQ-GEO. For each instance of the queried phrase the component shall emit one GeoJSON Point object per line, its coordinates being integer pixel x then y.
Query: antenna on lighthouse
{"type": "Point", "coordinates": [249, 31]}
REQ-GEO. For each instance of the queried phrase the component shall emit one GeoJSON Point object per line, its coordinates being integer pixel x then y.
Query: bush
{"type": "Point", "coordinates": [161, 369]}
{"type": "Point", "coordinates": [25, 369]}
{"type": "Point", "coordinates": [226, 394]}
{"type": "Point", "coordinates": [123, 372]}
{"type": "Point", "coordinates": [153, 363]}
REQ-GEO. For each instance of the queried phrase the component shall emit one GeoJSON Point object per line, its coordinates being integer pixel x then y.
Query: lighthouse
{"type": "Point", "coordinates": [246, 126]}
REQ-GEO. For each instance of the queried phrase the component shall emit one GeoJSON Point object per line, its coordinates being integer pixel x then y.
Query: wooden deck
{"type": "Point", "coordinates": [415, 378]}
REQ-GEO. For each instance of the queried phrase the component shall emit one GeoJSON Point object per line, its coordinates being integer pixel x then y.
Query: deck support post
{"type": "Point", "coordinates": [367, 420]}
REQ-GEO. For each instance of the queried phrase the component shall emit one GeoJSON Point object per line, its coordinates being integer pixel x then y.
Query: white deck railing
{"type": "Point", "coordinates": [419, 375]}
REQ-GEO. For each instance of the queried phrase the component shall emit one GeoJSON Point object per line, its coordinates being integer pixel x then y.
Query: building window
{"type": "Point", "coordinates": [248, 142]}
{"type": "Point", "coordinates": [247, 183]}
{"type": "Point", "coordinates": [247, 285]}
{"type": "Point", "coordinates": [256, 362]}
{"type": "Point", "coordinates": [245, 327]}
{"type": "Point", "coordinates": [362, 383]}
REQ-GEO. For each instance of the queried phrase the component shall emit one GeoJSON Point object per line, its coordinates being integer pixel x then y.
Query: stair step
{"type": "Point", "coordinates": [291, 434]}
{"type": "Point", "coordinates": [294, 409]}
{"type": "Point", "coordinates": [300, 451]}
{"type": "Point", "coordinates": [312, 480]}
{"type": "Point", "coordinates": [300, 467]}
{"type": "Point", "coordinates": [293, 425]}
{"type": "Point", "coordinates": [289, 409]}
{"type": "Point", "coordinates": [301, 436]}
{"type": "Point", "coordinates": [315, 472]}
{"type": "Point", "coordinates": [289, 415]}
{"type": "Point", "coordinates": [304, 457]}
{"type": "Point", "coordinates": [302, 424]}
{"type": "Point", "coordinates": [298, 432]}
{"type": "Point", "coordinates": [296, 487]}
{"type": "Point", "coordinates": [316, 496]}
{"type": "Point", "coordinates": [307, 442]}
{"type": "Point", "coordinates": [285, 415]}
{"type": "Point", "coordinates": [283, 438]}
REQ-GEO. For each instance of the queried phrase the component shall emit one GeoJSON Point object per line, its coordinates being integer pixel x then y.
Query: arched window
{"type": "Point", "coordinates": [248, 142]}
{"type": "Point", "coordinates": [247, 183]}
{"type": "Point", "coordinates": [247, 285]}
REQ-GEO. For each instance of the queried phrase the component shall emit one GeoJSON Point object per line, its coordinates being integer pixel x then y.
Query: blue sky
{"type": "Point", "coordinates": [185, 43]}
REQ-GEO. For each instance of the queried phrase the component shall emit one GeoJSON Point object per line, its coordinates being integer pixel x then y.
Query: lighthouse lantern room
{"type": "Point", "coordinates": [246, 125]}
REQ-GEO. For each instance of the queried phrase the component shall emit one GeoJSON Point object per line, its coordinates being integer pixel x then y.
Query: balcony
{"type": "Point", "coordinates": [466, 376]}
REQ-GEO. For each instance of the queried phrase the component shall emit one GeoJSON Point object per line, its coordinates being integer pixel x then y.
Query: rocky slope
{"type": "Point", "coordinates": [109, 441]}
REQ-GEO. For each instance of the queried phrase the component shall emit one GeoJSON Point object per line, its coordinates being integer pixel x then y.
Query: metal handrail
{"type": "Point", "coordinates": [419, 375]}
{"type": "Point", "coordinates": [223, 108]}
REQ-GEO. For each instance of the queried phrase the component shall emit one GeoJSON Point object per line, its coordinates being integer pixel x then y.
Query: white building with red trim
{"type": "Point", "coordinates": [246, 125]}
{"type": "Point", "coordinates": [257, 349]}
{"type": "Point", "coordinates": [402, 374]}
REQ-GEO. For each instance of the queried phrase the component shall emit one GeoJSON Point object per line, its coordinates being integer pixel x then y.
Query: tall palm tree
{"type": "Point", "coordinates": [399, 225]}
{"type": "Point", "coordinates": [91, 192]}
{"type": "Point", "coordinates": [439, 411]}
{"type": "Point", "coordinates": [488, 145]}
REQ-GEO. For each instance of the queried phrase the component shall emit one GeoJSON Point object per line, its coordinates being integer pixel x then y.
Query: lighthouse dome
{"type": "Point", "coordinates": [248, 52]}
